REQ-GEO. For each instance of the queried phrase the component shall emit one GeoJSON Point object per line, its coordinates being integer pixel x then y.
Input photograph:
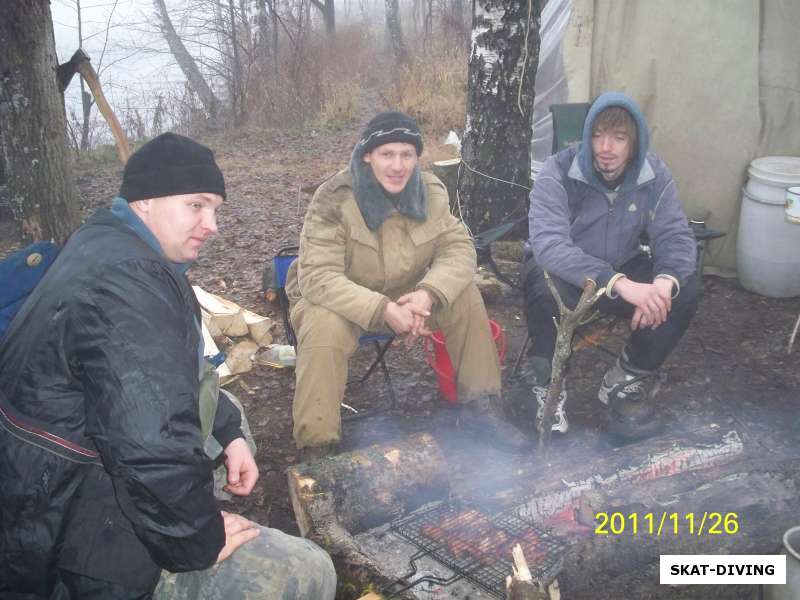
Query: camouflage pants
{"type": "Point", "coordinates": [272, 566]}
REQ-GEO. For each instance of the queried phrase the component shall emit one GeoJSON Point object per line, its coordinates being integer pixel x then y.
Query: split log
{"type": "Point", "coordinates": [240, 357]}
{"type": "Point", "coordinates": [259, 328]}
{"type": "Point", "coordinates": [211, 325]}
{"type": "Point", "coordinates": [566, 324]}
{"type": "Point", "coordinates": [228, 315]}
{"type": "Point", "coordinates": [369, 486]}
{"type": "Point", "coordinates": [520, 585]}
{"type": "Point", "coordinates": [210, 349]}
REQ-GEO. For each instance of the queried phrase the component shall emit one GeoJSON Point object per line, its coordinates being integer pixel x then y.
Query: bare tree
{"type": "Point", "coordinates": [496, 174]}
{"type": "Point", "coordinates": [395, 31]}
{"type": "Point", "coordinates": [185, 61]}
{"type": "Point", "coordinates": [40, 181]}
{"type": "Point", "coordinates": [328, 10]}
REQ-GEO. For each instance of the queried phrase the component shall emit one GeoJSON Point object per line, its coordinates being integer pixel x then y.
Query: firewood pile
{"type": "Point", "coordinates": [239, 332]}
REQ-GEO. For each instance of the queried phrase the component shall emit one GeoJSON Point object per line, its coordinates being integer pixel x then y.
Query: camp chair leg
{"type": "Point", "coordinates": [386, 377]}
{"type": "Point", "coordinates": [379, 361]}
{"type": "Point", "coordinates": [518, 361]}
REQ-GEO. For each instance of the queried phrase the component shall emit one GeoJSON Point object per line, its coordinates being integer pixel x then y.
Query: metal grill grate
{"type": "Point", "coordinates": [459, 548]}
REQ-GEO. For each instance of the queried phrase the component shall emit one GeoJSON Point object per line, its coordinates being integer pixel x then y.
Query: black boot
{"type": "Point", "coordinates": [484, 417]}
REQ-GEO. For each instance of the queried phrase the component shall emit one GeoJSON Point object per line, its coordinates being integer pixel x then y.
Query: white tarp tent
{"type": "Point", "coordinates": [718, 80]}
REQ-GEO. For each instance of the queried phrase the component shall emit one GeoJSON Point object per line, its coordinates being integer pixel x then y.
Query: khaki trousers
{"type": "Point", "coordinates": [325, 342]}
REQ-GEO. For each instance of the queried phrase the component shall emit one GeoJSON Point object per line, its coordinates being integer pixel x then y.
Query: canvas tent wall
{"type": "Point", "coordinates": [719, 83]}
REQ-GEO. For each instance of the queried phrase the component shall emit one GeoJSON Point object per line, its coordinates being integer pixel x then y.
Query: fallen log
{"type": "Point", "coordinates": [369, 486]}
{"type": "Point", "coordinates": [557, 485]}
{"type": "Point", "coordinates": [336, 497]}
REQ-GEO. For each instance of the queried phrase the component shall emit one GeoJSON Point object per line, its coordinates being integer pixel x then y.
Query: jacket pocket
{"type": "Point", "coordinates": [99, 542]}
{"type": "Point", "coordinates": [428, 232]}
{"type": "Point", "coordinates": [362, 259]}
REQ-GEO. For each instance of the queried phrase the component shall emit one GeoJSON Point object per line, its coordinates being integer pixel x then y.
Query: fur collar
{"type": "Point", "coordinates": [373, 201]}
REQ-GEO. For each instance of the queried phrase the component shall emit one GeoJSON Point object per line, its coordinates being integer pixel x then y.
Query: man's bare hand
{"type": "Point", "coordinates": [423, 301]}
{"type": "Point", "coordinates": [242, 468]}
{"type": "Point", "coordinates": [238, 531]}
{"type": "Point", "coordinates": [400, 317]}
{"type": "Point", "coordinates": [652, 301]}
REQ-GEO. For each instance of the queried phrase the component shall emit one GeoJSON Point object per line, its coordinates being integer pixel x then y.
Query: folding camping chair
{"type": "Point", "coordinates": [274, 279]}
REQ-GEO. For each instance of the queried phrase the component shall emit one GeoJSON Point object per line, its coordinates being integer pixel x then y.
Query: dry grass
{"type": "Point", "coordinates": [340, 105]}
{"type": "Point", "coordinates": [434, 91]}
{"type": "Point", "coordinates": [318, 83]}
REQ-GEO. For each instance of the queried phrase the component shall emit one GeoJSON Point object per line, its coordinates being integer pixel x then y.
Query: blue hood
{"type": "Point", "coordinates": [642, 135]}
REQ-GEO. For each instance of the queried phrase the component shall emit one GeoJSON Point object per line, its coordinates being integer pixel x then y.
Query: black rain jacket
{"type": "Point", "coordinates": [102, 469]}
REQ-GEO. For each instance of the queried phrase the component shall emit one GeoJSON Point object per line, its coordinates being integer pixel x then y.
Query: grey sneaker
{"type": "Point", "coordinates": [623, 384]}
{"type": "Point", "coordinates": [627, 394]}
{"type": "Point", "coordinates": [540, 393]}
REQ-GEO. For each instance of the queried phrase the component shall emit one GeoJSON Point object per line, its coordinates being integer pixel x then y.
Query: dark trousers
{"type": "Point", "coordinates": [646, 349]}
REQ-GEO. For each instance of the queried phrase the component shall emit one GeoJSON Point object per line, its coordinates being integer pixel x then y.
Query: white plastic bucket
{"type": "Point", "coordinates": [793, 205]}
{"type": "Point", "coordinates": [768, 245]}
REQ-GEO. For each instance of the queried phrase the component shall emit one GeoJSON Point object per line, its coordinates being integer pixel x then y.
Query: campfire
{"type": "Point", "coordinates": [478, 546]}
{"type": "Point", "coordinates": [390, 516]}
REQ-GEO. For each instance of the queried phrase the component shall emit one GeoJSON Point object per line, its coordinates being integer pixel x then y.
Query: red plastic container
{"type": "Point", "coordinates": [439, 359]}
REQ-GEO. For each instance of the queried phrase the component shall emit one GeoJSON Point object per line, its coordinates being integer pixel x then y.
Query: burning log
{"type": "Point", "coordinates": [336, 497]}
{"type": "Point", "coordinates": [565, 328]}
{"type": "Point", "coordinates": [569, 477]}
{"type": "Point", "coordinates": [368, 486]}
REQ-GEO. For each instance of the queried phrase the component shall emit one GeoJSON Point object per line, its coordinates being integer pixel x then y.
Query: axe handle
{"type": "Point", "coordinates": [93, 81]}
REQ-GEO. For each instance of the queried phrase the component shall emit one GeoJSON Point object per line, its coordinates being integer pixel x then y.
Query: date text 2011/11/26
{"type": "Point", "coordinates": [655, 524]}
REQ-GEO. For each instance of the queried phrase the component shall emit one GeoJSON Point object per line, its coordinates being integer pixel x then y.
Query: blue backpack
{"type": "Point", "coordinates": [19, 274]}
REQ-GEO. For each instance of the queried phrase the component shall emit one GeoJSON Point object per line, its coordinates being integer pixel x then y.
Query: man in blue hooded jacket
{"type": "Point", "coordinates": [589, 208]}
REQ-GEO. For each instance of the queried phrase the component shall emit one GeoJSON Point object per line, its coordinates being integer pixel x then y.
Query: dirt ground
{"type": "Point", "coordinates": [732, 364]}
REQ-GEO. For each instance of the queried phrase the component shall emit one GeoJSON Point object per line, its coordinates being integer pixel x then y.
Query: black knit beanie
{"type": "Point", "coordinates": [170, 165]}
{"type": "Point", "coordinates": [390, 127]}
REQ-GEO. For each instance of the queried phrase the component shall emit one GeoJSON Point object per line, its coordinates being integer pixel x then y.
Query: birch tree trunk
{"type": "Point", "coordinates": [186, 62]}
{"type": "Point", "coordinates": [41, 186]}
{"type": "Point", "coordinates": [395, 31]}
{"type": "Point", "coordinates": [498, 130]}
{"type": "Point", "coordinates": [328, 10]}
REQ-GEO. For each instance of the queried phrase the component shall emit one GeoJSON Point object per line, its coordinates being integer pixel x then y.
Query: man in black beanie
{"type": "Point", "coordinates": [108, 411]}
{"type": "Point", "coordinates": [380, 251]}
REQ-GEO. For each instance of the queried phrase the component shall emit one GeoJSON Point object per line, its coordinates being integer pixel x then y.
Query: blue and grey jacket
{"type": "Point", "coordinates": [580, 230]}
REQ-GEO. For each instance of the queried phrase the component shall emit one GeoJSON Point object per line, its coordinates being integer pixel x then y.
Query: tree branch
{"type": "Point", "coordinates": [567, 322]}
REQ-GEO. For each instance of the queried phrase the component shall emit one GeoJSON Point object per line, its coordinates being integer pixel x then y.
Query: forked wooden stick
{"type": "Point", "coordinates": [566, 324]}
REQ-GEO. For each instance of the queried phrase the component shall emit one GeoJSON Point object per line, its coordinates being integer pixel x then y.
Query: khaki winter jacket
{"type": "Point", "coordinates": [355, 272]}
